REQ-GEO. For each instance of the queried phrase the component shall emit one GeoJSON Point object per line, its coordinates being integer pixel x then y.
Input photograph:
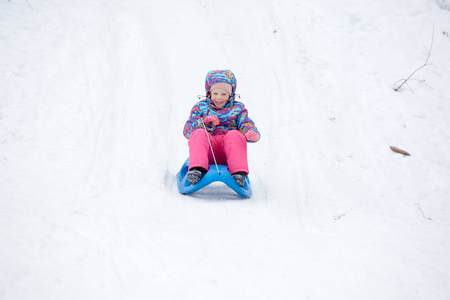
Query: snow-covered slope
{"type": "Point", "coordinates": [93, 98]}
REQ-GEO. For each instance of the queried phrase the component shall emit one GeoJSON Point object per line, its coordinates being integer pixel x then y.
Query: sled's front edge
{"type": "Point", "coordinates": [185, 187]}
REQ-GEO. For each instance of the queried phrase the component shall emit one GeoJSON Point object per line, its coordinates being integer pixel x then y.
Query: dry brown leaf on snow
{"type": "Point", "coordinates": [398, 150]}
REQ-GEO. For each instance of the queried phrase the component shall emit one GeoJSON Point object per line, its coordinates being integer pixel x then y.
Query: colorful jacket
{"type": "Point", "coordinates": [233, 116]}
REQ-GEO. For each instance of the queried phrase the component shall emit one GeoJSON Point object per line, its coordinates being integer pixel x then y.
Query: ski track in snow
{"type": "Point", "coordinates": [93, 100]}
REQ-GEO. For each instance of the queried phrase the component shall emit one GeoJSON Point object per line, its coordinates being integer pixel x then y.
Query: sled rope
{"type": "Point", "coordinates": [202, 124]}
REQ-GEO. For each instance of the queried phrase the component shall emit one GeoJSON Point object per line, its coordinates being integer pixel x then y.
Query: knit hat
{"type": "Point", "coordinates": [225, 77]}
{"type": "Point", "coordinates": [222, 85]}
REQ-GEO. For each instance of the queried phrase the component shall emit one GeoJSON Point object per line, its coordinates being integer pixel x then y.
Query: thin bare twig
{"type": "Point", "coordinates": [420, 208]}
{"type": "Point", "coordinates": [337, 217]}
{"type": "Point", "coordinates": [404, 81]}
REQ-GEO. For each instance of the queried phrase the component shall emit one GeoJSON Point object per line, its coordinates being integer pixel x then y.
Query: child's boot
{"type": "Point", "coordinates": [195, 175]}
{"type": "Point", "coordinates": [239, 177]}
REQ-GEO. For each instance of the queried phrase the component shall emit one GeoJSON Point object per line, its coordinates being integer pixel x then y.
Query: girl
{"type": "Point", "coordinates": [225, 121]}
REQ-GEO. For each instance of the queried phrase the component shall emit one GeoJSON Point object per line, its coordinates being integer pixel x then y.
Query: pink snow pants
{"type": "Point", "coordinates": [229, 149]}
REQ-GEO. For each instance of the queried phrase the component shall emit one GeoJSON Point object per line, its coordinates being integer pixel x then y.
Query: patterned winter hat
{"type": "Point", "coordinates": [215, 77]}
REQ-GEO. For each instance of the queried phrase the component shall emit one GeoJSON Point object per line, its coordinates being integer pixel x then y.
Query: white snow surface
{"type": "Point", "coordinates": [93, 99]}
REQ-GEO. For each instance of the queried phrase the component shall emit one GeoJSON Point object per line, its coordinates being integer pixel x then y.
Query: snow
{"type": "Point", "coordinates": [93, 98]}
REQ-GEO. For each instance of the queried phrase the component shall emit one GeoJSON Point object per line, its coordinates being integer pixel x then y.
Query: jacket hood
{"type": "Point", "coordinates": [215, 76]}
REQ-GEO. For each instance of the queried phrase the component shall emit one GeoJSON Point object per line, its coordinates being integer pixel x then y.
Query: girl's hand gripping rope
{"type": "Point", "coordinates": [209, 122]}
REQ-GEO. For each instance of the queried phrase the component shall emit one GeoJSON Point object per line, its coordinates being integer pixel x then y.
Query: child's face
{"type": "Point", "coordinates": [219, 97]}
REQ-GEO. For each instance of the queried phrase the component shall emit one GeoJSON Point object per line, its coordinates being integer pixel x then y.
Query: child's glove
{"type": "Point", "coordinates": [211, 120]}
{"type": "Point", "coordinates": [209, 123]}
{"type": "Point", "coordinates": [252, 136]}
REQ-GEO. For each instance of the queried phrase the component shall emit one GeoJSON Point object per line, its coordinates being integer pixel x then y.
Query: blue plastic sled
{"type": "Point", "coordinates": [185, 187]}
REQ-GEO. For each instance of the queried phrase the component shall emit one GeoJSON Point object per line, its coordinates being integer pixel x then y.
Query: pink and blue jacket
{"type": "Point", "coordinates": [233, 116]}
